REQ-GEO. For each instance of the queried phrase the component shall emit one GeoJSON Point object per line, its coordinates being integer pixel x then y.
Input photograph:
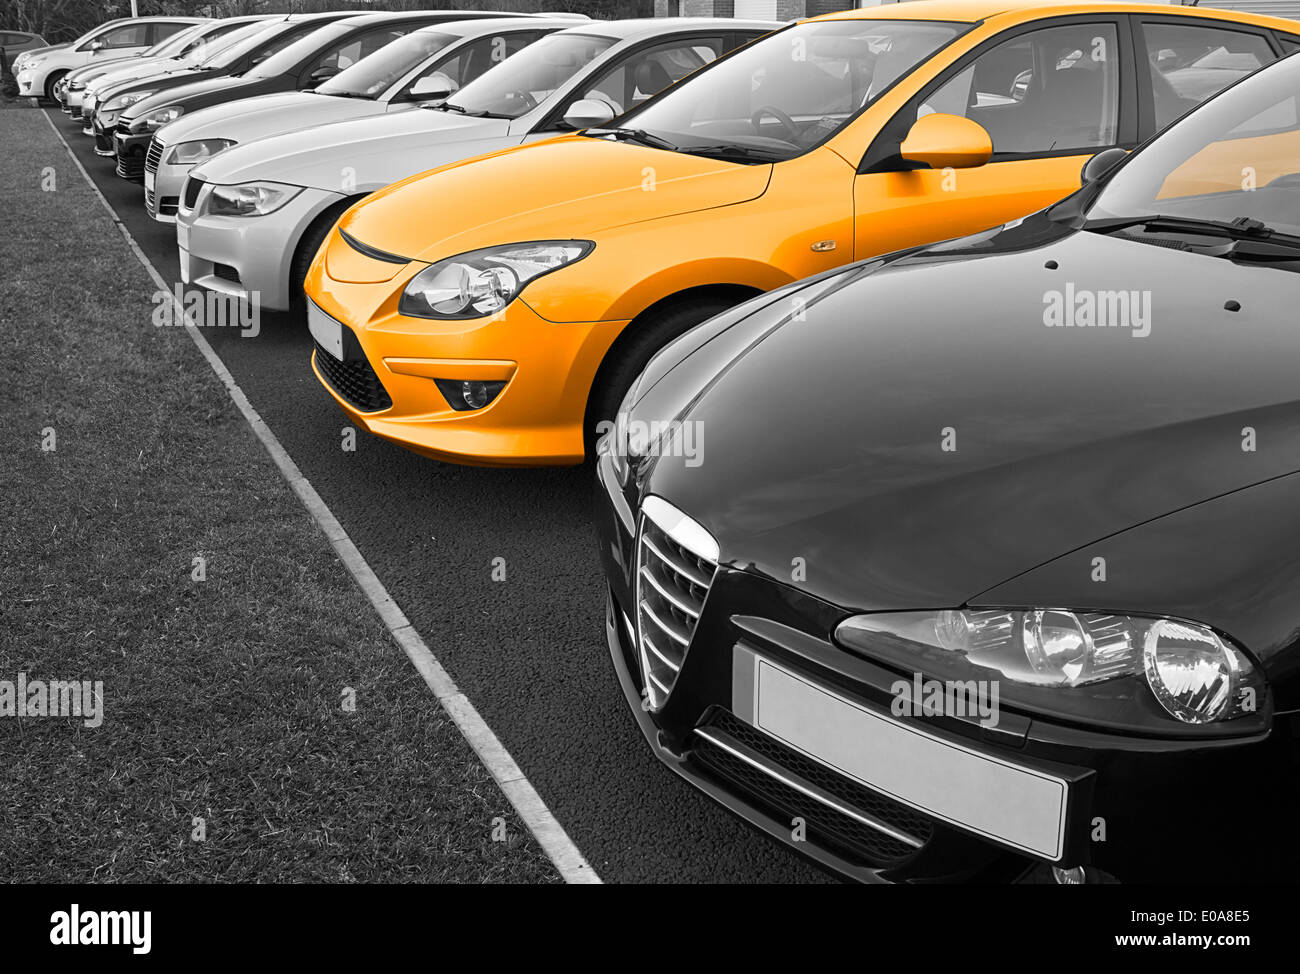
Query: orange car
{"type": "Point", "coordinates": [494, 311]}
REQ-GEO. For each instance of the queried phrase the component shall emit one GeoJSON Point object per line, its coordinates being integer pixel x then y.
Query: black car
{"type": "Point", "coordinates": [981, 561]}
{"type": "Point", "coordinates": [305, 63]}
{"type": "Point", "coordinates": [253, 46]}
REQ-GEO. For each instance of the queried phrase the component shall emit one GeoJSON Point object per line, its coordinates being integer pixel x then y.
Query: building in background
{"type": "Point", "coordinates": [798, 9]}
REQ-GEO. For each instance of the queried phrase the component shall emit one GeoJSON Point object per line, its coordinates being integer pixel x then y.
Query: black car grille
{"type": "Point", "coordinates": [154, 156]}
{"type": "Point", "coordinates": [191, 192]}
{"type": "Point", "coordinates": [354, 380]}
{"type": "Point", "coordinates": [671, 584]}
{"type": "Point", "coordinates": [826, 825]}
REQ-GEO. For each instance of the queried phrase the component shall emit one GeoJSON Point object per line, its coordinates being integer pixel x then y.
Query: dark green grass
{"type": "Point", "coordinates": [223, 697]}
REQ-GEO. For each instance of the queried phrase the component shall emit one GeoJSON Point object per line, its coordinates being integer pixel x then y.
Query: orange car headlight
{"type": "Point", "coordinates": [482, 282]}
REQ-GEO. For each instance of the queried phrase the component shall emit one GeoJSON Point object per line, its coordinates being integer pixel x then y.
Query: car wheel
{"type": "Point", "coordinates": [311, 241]}
{"type": "Point", "coordinates": [633, 351]}
{"type": "Point", "coordinates": [50, 82]}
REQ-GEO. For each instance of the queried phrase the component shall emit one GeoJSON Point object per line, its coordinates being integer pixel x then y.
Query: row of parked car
{"type": "Point", "coordinates": [1047, 467]}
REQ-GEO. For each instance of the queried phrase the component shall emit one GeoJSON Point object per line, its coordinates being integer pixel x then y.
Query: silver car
{"type": "Point", "coordinates": [421, 68]}
{"type": "Point", "coordinates": [252, 218]}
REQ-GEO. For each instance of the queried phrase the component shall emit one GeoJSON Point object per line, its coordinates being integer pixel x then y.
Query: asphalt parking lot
{"type": "Point", "coordinates": [529, 651]}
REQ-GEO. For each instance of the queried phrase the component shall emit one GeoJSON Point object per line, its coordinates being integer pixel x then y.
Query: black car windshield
{"type": "Point", "coordinates": [286, 59]}
{"type": "Point", "coordinates": [372, 76]}
{"type": "Point", "coordinates": [241, 43]}
{"type": "Point", "coordinates": [521, 83]}
{"type": "Point", "coordinates": [786, 93]}
{"type": "Point", "coordinates": [1236, 156]}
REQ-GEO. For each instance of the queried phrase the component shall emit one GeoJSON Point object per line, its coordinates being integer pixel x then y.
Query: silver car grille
{"type": "Point", "coordinates": [676, 560]}
{"type": "Point", "coordinates": [153, 156]}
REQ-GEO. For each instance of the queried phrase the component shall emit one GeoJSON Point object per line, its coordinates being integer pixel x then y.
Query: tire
{"type": "Point", "coordinates": [50, 82]}
{"type": "Point", "coordinates": [630, 355]}
{"type": "Point", "coordinates": [311, 241]}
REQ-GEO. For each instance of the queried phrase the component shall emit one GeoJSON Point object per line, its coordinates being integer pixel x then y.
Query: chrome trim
{"type": "Point", "coordinates": [659, 587]}
{"type": "Point", "coordinates": [756, 761]}
{"type": "Point", "coordinates": [677, 615]}
{"type": "Point", "coordinates": [686, 531]}
{"type": "Point", "coordinates": [693, 574]}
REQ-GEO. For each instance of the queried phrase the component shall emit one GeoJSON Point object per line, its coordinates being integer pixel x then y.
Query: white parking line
{"type": "Point", "coordinates": [570, 862]}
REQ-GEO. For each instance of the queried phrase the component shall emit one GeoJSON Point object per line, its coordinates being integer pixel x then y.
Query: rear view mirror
{"type": "Point", "coordinates": [1102, 163]}
{"type": "Point", "coordinates": [947, 142]}
{"type": "Point", "coordinates": [587, 113]}
{"type": "Point", "coordinates": [322, 74]}
{"type": "Point", "coordinates": [95, 46]}
{"type": "Point", "coordinates": [433, 86]}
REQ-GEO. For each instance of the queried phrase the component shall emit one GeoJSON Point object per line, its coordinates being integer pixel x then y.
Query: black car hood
{"type": "Point", "coordinates": [822, 455]}
{"type": "Point", "coordinates": [206, 91]}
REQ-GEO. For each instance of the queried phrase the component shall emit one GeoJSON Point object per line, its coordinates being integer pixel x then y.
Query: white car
{"type": "Point", "coordinates": [41, 71]}
{"type": "Point", "coordinates": [185, 48]}
{"type": "Point", "coordinates": [252, 218]}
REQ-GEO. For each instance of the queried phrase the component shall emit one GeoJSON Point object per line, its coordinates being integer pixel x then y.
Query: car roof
{"type": "Point", "coordinates": [468, 28]}
{"type": "Point", "coordinates": [654, 27]}
{"type": "Point", "coordinates": [361, 20]}
{"type": "Point", "coordinates": [971, 11]}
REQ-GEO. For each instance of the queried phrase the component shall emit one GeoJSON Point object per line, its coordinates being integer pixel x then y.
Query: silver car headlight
{"type": "Point", "coordinates": [192, 153]}
{"type": "Point", "coordinates": [250, 199]}
{"type": "Point", "coordinates": [125, 101]}
{"type": "Point", "coordinates": [483, 282]}
{"type": "Point", "coordinates": [1195, 674]}
{"type": "Point", "coordinates": [34, 62]}
{"type": "Point", "coordinates": [161, 116]}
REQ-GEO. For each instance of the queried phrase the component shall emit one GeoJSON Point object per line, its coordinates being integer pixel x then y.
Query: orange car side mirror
{"type": "Point", "coordinates": [947, 141]}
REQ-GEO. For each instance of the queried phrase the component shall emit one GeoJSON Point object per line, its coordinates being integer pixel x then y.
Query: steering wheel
{"type": "Point", "coordinates": [525, 98]}
{"type": "Point", "coordinates": [787, 123]}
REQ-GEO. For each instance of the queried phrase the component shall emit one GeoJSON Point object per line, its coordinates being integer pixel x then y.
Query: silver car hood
{"type": "Point", "coordinates": [247, 119]}
{"type": "Point", "coordinates": [361, 155]}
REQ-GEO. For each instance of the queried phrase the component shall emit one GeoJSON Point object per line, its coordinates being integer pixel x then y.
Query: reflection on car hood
{"type": "Point", "coordinates": [204, 85]}
{"type": "Point", "coordinates": [562, 188]}
{"type": "Point", "coordinates": [263, 115]}
{"type": "Point", "coordinates": [922, 435]}
{"type": "Point", "coordinates": [374, 151]}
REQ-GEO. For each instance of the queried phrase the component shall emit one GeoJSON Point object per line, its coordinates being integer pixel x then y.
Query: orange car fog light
{"type": "Point", "coordinates": [468, 394]}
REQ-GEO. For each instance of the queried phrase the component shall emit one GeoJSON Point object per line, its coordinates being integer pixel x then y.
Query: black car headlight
{"type": "Point", "coordinates": [1196, 675]}
{"type": "Point", "coordinates": [159, 117]}
{"type": "Point", "coordinates": [483, 282]}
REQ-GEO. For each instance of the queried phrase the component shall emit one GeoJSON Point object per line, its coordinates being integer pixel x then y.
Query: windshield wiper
{"type": "Point", "coordinates": [634, 135]}
{"type": "Point", "coordinates": [1242, 228]}
{"type": "Point", "coordinates": [729, 150]}
{"type": "Point", "coordinates": [1261, 250]}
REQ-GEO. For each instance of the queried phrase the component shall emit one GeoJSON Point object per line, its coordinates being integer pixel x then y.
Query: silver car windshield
{"type": "Point", "coordinates": [521, 83]}
{"type": "Point", "coordinates": [786, 93]}
{"type": "Point", "coordinates": [372, 76]}
{"type": "Point", "coordinates": [1234, 161]}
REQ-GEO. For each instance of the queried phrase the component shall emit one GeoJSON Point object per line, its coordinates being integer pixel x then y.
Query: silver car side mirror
{"type": "Point", "coordinates": [588, 113]}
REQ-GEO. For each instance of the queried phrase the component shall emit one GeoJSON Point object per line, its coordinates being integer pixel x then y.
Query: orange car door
{"type": "Point", "coordinates": [1050, 97]}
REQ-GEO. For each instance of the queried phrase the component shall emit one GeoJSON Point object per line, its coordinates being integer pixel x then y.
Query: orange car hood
{"type": "Point", "coordinates": [571, 187]}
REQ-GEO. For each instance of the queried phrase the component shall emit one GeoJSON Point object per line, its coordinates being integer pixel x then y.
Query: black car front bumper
{"type": "Point", "coordinates": [1138, 809]}
{"type": "Point", "coordinates": [130, 149]}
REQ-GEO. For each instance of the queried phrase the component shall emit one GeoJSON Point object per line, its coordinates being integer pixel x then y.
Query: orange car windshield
{"type": "Point", "coordinates": [790, 91]}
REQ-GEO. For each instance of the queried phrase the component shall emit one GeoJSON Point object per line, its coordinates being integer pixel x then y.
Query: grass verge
{"type": "Point", "coordinates": [224, 699]}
